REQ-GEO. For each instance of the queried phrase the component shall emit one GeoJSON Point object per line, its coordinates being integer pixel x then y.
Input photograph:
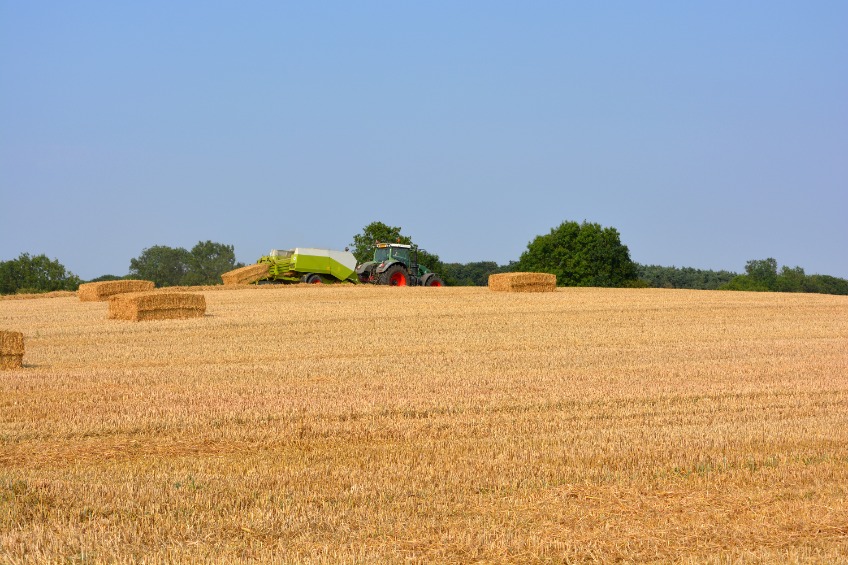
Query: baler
{"type": "Point", "coordinates": [309, 265]}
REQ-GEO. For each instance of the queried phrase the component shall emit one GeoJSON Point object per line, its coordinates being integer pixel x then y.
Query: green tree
{"type": "Point", "coordinates": [581, 255]}
{"type": "Point", "coordinates": [362, 246]}
{"type": "Point", "coordinates": [207, 261]}
{"type": "Point", "coordinates": [104, 278]}
{"type": "Point", "coordinates": [169, 266]}
{"type": "Point", "coordinates": [165, 266]}
{"type": "Point", "coordinates": [826, 284]}
{"type": "Point", "coordinates": [470, 274]}
{"type": "Point", "coordinates": [762, 276]}
{"type": "Point", "coordinates": [35, 274]}
{"type": "Point", "coordinates": [762, 271]}
{"type": "Point", "coordinates": [790, 280]}
{"type": "Point", "coordinates": [745, 282]}
{"type": "Point", "coordinates": [685, 277]}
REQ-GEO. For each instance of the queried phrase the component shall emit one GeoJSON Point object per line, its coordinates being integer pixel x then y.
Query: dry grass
{"type": "Point", "coordinates": [101, 291]}
{"type": "Point", "coordinates": [246, 275]}
{"type": "Point", "coordinates": [30, 296]}
{"type": "Point", "coordinates": [522, 282]}
{"type": "Point", "coordinates": [318, 424]}
{"type": "Point", "coordinates": [140, 306]}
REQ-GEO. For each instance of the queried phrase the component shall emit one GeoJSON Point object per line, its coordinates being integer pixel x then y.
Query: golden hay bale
{"type": "Point", "coordinates": [101, 291]}
{"type": "Point", "coordinates": [244, 275]}
{"type": "Point", "coordinates": [523, 282]}
{"type": "Point", "coordinates": [138, 306]}
{"type": "Point", "coordinates": [11, 350]}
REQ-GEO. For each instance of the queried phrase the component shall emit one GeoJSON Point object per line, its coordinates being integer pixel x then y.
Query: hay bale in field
{"type": "Point", "coordinates": [246, 275]}
{"type": "Point", "coordinates": [101, 291]}
{"type": "Point", "coordinates": [11, 350]}
{"type": "Point", "coordinates": [139, 306]}
{"type": "Point", "coordinates": [523, 282]}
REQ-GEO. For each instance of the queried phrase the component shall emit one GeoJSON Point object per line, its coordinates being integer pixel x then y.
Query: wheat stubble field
{"type": "Point", "coordinates": [318, 424]}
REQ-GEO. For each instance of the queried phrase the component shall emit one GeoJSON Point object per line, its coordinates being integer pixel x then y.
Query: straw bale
{"type": "Point", "coordinates": [11, 350]}
{"type": "Point", "coordinates": [101, 291]}
{"type": "Point", "coordinates": [139, 306]}
{"type": "Point", "coordinates": [522, 282]}
{"type": "Point", "coordinates": [245, 275]}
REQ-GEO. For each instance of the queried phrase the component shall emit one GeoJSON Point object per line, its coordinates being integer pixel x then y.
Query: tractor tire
{"type": "Point", "coordinates": [395, 275]}
{"type": "Point", "coordinates": [312, 278]}
{"type": "Point", "coordinates": [432, 279]}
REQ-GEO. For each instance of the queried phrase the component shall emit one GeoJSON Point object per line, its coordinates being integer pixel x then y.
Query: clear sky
{"type": "Point", "coordinates": [708, 133]}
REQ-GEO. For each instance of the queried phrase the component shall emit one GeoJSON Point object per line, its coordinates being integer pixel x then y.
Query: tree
{"type": "Point", "coordinates": [470, 274]}
{"type": "Point", "coordinates": [762, 271]}
{"type": "Point", "coordinates": [685, 277]}
{"type": "Point", "coordinates": [745, 282]}
{"type": "Point", "coordinates": [762, 276]}
{"type": "Point", "coordinates": [790, 280]}
{"type": "Point", "coordinates": [165, 266]}
{"type": "Point", "coordinates": [362, 246]}
{"type": "Point", "coordinates": [35, 274]}
{"type": "Point", "coordinates": [207, 261]}
{"type": "Point", "coordinates": [826, 284]}
{"type": "Point", "coordinates": [169, 266]}
{"type": "Point", "coordinates": [581, 255]}
{"type": "Point", "coordinates": [104, 278]}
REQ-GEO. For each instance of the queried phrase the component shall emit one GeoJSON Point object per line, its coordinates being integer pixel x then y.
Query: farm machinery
{"type": "Point", "coordinates": [396, 264]}
{"type": "Point", "coordinates": [393, 264]}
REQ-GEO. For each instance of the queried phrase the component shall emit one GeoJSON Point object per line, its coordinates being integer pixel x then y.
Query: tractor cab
{"type": "Point", "coordinates": [385, 252]}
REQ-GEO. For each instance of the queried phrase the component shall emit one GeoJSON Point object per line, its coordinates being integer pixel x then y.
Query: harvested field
{"type": "Point", "coordinates": [30, 296]}
{"type": "Point", "coordinates": [522, 282]}
{"type": "Point", "coordinates": [101, 291]}
{"type": "Point", "coordinates": [245, 275]}
{"type": "Point", "coordinates": [314, 424]}
{"type": "Point", "coordinates": [11, 349]}
{"type": "Point", "coordinates": [140, 306]}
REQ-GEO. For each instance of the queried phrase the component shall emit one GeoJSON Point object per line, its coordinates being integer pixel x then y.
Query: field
{"type": "Point", "coordinates": [320, 424]}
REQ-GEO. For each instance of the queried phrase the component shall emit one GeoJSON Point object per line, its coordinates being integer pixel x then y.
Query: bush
{"type": "Point", "coordinates": [580, 255]}
{"type": "Point", "coordinates": [34, 275]}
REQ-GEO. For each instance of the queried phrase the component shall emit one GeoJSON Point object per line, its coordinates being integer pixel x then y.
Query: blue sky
{"type": "Point", "coordinates": [707, 133]}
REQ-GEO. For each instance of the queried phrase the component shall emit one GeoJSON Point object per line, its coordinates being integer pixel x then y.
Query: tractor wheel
{"type": "Point", "coordinates": [312, 279]}
{"type": "Point", "coordinates": [395, 276]}
{"type": "Point", "coordinates": [432, 280]}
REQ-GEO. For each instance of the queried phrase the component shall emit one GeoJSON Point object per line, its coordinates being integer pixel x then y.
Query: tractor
{"type": "Point", "coordinates": [396, 264]}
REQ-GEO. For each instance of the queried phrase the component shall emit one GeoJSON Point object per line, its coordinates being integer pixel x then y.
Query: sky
{"type": "Point", "coordinates": [708, 133]}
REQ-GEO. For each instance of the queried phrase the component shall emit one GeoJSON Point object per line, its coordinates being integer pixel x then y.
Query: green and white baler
{"type": "Point", "coordinates": [309, 265]}
{"type": "Point", "coordinates": [393, 264]}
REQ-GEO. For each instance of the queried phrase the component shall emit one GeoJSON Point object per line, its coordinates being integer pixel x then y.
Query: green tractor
{"type": "Point", "coordinates": [396, 264]}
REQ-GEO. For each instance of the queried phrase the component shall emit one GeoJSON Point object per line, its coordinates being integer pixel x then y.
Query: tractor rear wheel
{"type": "Point", "coordinates": [395, 275]}
{"type": "Point", "coordinates": [432, 280]}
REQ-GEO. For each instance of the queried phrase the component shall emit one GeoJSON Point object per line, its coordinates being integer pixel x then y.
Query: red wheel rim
{"type": "Point", "coordinates": [398, 279]}
{"type": "Point", "coordinates": [436, 283]}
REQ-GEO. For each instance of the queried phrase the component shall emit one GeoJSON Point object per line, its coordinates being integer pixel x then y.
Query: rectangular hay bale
{"type": "Point", "coordinates": [141, 306]}
{"type": "Point", "coordinates": [522, 282]}
{"type": "Point", "coordinates": [246, 275]}
{"type": "Point", "coordinates": [101, 291]}
{"type": "Point", "coordinates": [11, 350]}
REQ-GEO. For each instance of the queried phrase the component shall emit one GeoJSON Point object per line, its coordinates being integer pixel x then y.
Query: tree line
{"type": "Point", "coordinates": [579, 254]}
{"type": "Point", "coordinates": [166, 266]}
{"type": "Point", "coordinates": [762, 275]}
